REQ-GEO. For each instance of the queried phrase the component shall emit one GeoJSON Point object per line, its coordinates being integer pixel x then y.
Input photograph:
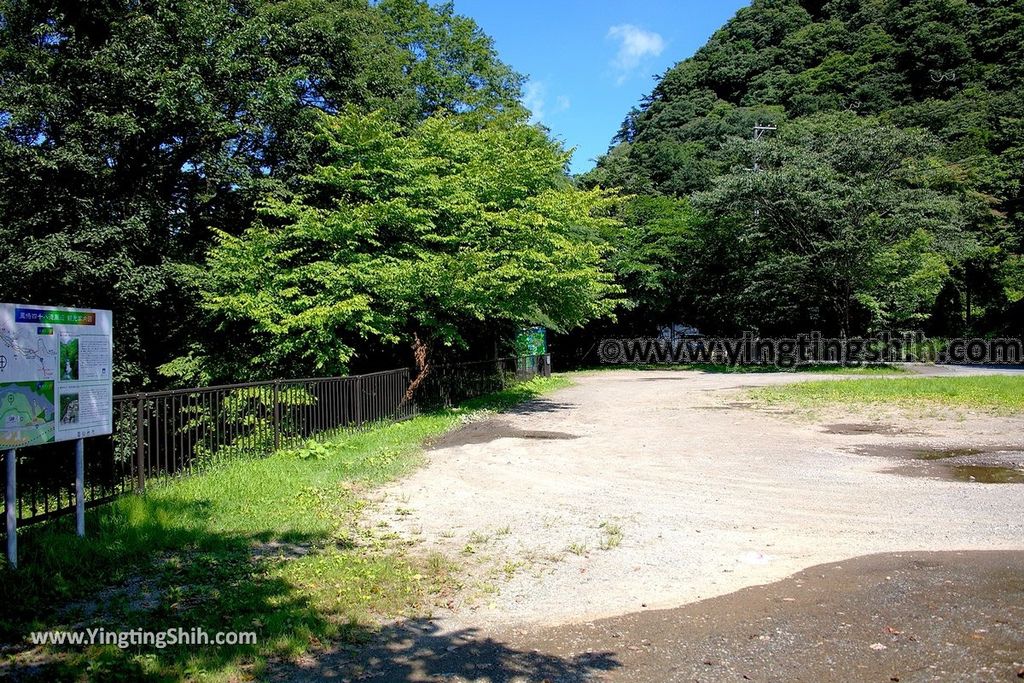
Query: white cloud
{"type": "Point", "coordinates": [635, 44]}
{"type": "Point", "coordinates": [533, 99]}
{"type": "Point", "coordinates": [535, 95]}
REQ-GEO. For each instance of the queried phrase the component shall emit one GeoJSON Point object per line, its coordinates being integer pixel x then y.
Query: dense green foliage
{"type": "Point", "coordinates": [890, 195]}
{"type": "Point", "coordinates": [450, 61]}
{"type": "Point", "coordinates": [129, 129]}
{"type": "Point", "coordinates": [404, 239]}
{"type": "Point", "coordinates": [263, 187]}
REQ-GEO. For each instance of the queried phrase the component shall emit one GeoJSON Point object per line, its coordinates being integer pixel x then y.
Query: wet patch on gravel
{"type": "Point", "coordinates": [945, 453]}
{"type": "Point", "coordinates": [857, 429]}
{"type": "Point", "coordinates": [983, 465]}
{"type": "Point", "coordinates": [974, 474]}
{"type": "Point", "coordinates": [486, 431]}
{"type": "Point", "coordinates": [987, 474]}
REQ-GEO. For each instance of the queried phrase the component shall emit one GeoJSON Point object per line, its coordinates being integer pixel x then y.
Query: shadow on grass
{"type": "Point", "coordinates": [211, 552]}
{"type": "Point", "coordinates": [418, 650]}
{"type": "Point", "coordinates": [520, 397]}
{"type": "Point", "coordinates": [154, 565]}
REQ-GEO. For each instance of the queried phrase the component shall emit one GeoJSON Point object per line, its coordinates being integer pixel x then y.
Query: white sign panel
{"type": "Point", "coordinates": [55, 374]}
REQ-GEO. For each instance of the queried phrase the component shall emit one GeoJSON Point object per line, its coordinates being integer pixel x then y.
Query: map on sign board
{"type": "Point", "coordinates": [532, 341]}
{"type": "Point", "coordinates": [55, 374]}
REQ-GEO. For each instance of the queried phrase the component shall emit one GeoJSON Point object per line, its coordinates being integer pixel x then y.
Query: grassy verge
{"type": "Point", "coordinates": [994, 393]}
{"type": "Point", "coordinates": [269, 545]}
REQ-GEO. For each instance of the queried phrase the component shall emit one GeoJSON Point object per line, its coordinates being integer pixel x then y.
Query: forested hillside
{"type": "Point", "coordinates": [887, 197]}
{"type": "Point", "coordinates": [270, 188]}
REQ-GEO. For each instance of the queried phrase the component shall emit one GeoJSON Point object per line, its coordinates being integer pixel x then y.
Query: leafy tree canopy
{"type": "Point", "coordinates": [451, 63]}
{"type": "Point", "coordinates": [129, 129]}
{"type": "Point", "coordinates": [404, 238]}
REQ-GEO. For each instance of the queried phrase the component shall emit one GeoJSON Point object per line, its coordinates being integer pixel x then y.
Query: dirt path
{"type": "Point", "coordinates": [635, 491]}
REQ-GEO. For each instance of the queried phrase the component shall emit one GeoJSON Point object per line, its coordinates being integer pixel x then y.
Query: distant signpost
{"type": "Point", "coordinates": [56, 384]}
{"type": "Point", "coordinates": [532, 341]}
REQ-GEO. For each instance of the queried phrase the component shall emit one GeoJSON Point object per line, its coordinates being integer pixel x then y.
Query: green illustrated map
{"type": "Point", "coordinates": [54, 374]}
{"type": "Point", "coordinates": [26, 414]}
{"type": "Point", "coordinates": [531, 341]}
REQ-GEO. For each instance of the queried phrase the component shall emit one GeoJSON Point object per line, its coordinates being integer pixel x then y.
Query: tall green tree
{"type": "Point", "coordinates": [849, 226]}
{"type": "Point", "coordinates": [652, 253]}
{"type": "Point", "coordinates": [128, 130]}
{"type": "Point", "coordinates": [405, 239]}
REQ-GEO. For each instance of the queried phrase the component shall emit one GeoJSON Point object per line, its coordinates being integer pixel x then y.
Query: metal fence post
{"type": "Point", "coordinates": [359, 401]}
{"type": "Point", "coordinates": [140, 444]}
{"type": "Point", "coordinates": [277, 415]}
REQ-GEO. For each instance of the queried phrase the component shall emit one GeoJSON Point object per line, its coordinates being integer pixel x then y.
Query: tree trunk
{"type": "Point", "coordinates": [967, 289]}
{"type": "Point", "coordinates": [420, 354]}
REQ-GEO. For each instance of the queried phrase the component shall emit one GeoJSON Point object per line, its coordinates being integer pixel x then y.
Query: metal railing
{"type": "Point", "coordinates": [447, 385]}
{"type": "Point", "coordinates": [163, 434]}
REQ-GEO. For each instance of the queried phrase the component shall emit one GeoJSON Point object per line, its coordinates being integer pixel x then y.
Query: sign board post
{"type": "Point", "coordinates": [80, 487]}
{"type": "Point", "coordinates": [56, 369]}
{"type": "Point", "coordinates": [10, 505]}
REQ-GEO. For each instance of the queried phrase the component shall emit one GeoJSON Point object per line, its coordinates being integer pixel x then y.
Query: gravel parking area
{"type": "Point", "coordinates": [706, 495]}
{"type": "Point", "coordinates": [633, 491]}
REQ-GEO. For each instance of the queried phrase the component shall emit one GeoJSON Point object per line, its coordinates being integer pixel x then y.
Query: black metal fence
{"type": "Point", "coordinates": [447, 385]}
{"type": "Point", "coordinates": [172, 433]}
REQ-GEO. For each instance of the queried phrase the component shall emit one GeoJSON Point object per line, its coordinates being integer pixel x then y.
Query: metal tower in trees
{"type": "Point", "coordinates": [759, 132]}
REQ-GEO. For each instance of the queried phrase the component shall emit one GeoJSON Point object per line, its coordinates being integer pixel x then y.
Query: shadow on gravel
{"type": "Point", "coordinates": [539, 406]}
{"type": "Point", "coordinates": [490, 430]}
{"type": "Point", "coordinates": [418, 651]}
{"type": "Point", "coordinates": [945, 616]}
{"type": "Point", "coordinates": [857, 429]}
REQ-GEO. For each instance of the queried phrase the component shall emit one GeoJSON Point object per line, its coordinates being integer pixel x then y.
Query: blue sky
{"type": "Point", "coordinates": [589, 62]}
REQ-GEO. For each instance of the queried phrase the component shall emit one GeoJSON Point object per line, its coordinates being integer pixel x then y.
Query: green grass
{"type": "Point", "coordinates": [995, 393]}
{"type": "Point", "coordinates": [578, 548]}
{"type": "Point", "coordinates": [269, 545]}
